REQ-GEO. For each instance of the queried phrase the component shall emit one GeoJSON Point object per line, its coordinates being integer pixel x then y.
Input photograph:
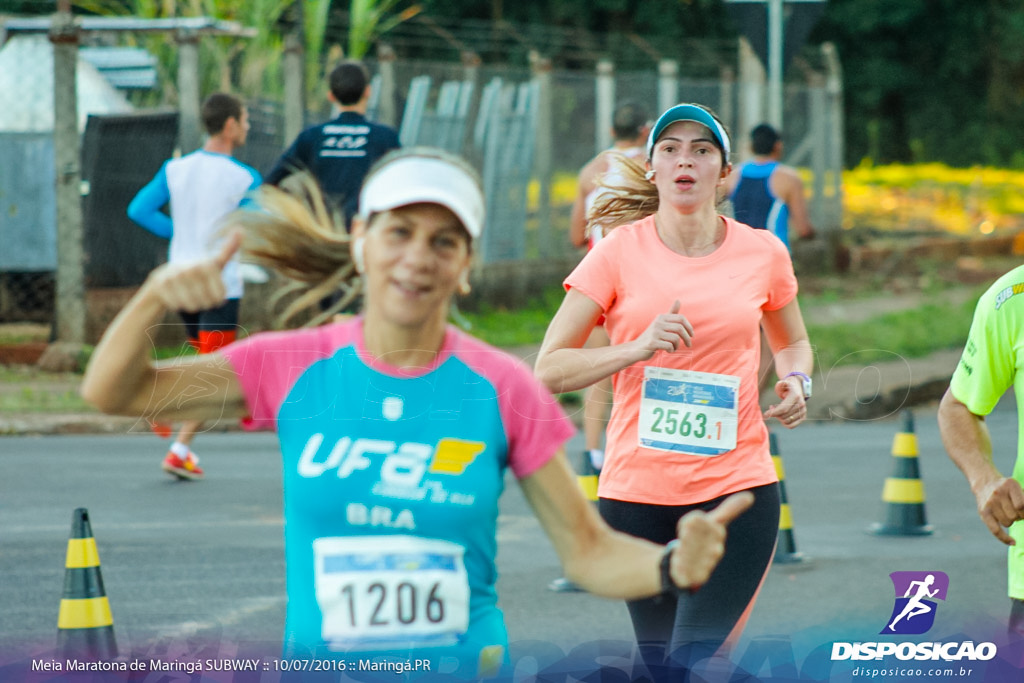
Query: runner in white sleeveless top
{"type": "Point", "coordinates": [630, 127]}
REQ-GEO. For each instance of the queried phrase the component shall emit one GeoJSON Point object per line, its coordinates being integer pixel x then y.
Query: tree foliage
{"type": "Point", "coordinates": [925, 80]}
{"type": "Point", "coordinates": [931, 80]}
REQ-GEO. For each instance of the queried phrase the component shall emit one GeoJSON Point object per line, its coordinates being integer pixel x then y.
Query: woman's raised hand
{"type": "Point", "coordinates": [195, 286]}
{"type": "Point", "coordinates": [702, 540]}
{"type": "Point", "coordinates": [668, 332]}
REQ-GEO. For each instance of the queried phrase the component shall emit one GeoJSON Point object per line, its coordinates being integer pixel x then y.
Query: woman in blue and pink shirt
{"type": "Point", "coordinates": [395, 428]}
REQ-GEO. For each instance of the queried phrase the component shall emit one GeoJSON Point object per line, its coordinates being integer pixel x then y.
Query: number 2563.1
{"type": "Point", "coordinates": [669, 421]}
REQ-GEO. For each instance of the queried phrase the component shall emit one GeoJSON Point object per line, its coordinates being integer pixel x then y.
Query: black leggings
{"type": "Point", "coordinates": [694, 626]}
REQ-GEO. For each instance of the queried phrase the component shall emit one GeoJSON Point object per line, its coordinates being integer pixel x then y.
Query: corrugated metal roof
{"type": "Point", "coordinates": [206, 25]}
{"type": "Point", "coordinates": [128, 68]}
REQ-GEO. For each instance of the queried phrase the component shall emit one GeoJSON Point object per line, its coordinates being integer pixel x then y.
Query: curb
{"type": "Point", "coordinates": [855, 393]}
{"type": "Point", "coordinates": [881, 390]}
{"type": "Point", "coordinates": [47, 424]}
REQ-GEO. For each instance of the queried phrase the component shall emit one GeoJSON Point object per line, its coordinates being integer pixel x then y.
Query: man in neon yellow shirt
{"type": "Point", "coordinates": [992, 361]}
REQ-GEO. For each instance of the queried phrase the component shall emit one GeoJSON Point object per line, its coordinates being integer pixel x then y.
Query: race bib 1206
{"type": "Point", "coordinates": [377, 592]}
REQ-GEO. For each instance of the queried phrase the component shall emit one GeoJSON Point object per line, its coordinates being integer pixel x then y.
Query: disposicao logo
{"type": "Point", "coordinates": [914, 613]}
{"type": "Point", "coordinates": [916, 593]}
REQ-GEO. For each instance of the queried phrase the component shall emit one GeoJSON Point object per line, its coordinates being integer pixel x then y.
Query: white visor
{"type": "Point", "coordinates": [419, 179]}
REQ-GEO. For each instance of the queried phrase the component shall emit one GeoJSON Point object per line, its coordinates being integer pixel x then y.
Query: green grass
{"type": "Point", "coordinates": [20, 338]}
{"type": "Point", "coordinates": [40, 400]}
{"type": "Point", "coordinates": [28, 390]}
{"type": "Point", "coordinates": [934, 326]}
{"type": "Point", "coordinates": [913, 333]}
{"type": "Point", "coordinates": [165, 352]}
{"type": "Point", "coordinates": [507, 328]}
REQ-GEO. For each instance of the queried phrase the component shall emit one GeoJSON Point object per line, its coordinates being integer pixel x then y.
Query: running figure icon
{"type": "Point", "coordinates": [915, 606]}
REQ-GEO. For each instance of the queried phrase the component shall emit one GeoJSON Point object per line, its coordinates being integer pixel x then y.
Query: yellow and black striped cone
{"type": "Point", "coordinates": [85, 627]}
{"type": "Point", "coordinates": [587, 478]}
{"type": "Point", "coordinates": [785, 549]}
{"type": "Point", "coordinates": [903, 492]}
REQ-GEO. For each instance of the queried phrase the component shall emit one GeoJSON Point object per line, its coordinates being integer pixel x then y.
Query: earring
{"type": "Point", "coordinates": [464, 286]}
{"type": "Point", "coordinates": [649, 174]}
{"type": "Point", "coordinates": [357, 255]}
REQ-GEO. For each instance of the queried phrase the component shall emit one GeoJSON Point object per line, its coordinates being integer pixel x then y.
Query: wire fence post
{"type": "Point", "coordinates": [294, 87]}
{"type": "Point", "coordinates": [819, 152]}
{"type": "Point", "coordinates": [752, 78]}
{"type": "Point", "coordinates": [189, 135]}
{"type": "Point", "coordinates": [605, 105]}
{"type": "Point", "coordinates": [727, 103]}
{"type": "Point", "coordinates": [387, 112]}
{"type": "Point", "coordinates": [543, 159]}
{"type": "Point", "coordinates": [668, 84]}
{"type": "Point", "coordinates": [834, 125]}
{"type": "Point", "coordinates": [70, 304]}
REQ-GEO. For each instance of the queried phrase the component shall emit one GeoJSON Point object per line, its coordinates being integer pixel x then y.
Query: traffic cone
{"type": "Point", "coordinates": [785, 549]}
{"type": "Point", "coordinates": [85, 627]}
{"type": "Point", "coordinates": [587, 478]}
{"type": "Point", "coordinates": [903, 492]}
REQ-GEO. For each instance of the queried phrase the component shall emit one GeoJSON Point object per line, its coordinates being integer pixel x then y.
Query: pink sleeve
{"type": "Point", "coordinates": [535, 424]}
{"type": "Point", "coordinates": [533, 421]}
{"type": "Point", "coordinates": [267, 366]}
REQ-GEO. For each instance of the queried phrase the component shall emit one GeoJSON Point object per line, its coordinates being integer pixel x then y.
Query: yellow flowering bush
{"type": "Point", "coordinates": [898, 197]}
{"type": "Point", "coordinates": [932, 197]}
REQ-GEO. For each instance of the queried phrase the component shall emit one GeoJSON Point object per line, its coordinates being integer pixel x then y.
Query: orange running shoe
{"type": "Point", "coordinates": [183, 469]}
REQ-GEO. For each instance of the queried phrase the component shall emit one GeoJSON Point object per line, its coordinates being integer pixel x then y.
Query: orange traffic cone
{"type": "Point", "coordinates": [85, 627]}
{"type": "Point", "coordinates": [903, 492]}
{"type": "Point", "coordinates": [785, 549]}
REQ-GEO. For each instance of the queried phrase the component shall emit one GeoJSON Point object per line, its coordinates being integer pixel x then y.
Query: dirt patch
{"type": "Point", "coordinates": [25, 353]}
{"type": "Point", "coordinates": [22, 343]}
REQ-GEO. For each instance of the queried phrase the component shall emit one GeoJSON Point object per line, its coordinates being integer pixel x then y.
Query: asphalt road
{"type": "Point", "coordinates": [189, 565]}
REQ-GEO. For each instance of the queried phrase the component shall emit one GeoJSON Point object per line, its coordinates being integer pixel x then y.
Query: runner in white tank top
{"type": "Point", "coordinates": [630, 127]}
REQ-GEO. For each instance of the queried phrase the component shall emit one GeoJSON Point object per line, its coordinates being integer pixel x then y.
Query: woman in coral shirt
{"type": "Point", "coordinates": [684, 291]}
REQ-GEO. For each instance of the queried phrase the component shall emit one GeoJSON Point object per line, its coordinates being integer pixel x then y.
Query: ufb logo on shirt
{"type": "Point", "coordinates": [915, 606]}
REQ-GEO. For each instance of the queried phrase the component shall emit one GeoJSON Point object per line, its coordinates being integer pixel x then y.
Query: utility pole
{"type": "Point", "coordinates": [190, 135]}
{"type": "Point", "coordinates": [295, 75]}
{"type": "Point", "coordinates": [70, 305]}
{"type": "Point", "coordinates": [775, 50]}
{"type": "Point", "coordinates": [775, 79]}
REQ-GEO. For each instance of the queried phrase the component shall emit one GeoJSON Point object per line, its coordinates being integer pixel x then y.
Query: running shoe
{"type": "Point", "coordinates": [564, 585]}
{"type": "Point", "coordinates": [183, 469]}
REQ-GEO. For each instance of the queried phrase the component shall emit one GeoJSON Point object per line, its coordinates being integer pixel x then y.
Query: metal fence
{"type": "Point", "coordinates": [528, 130]}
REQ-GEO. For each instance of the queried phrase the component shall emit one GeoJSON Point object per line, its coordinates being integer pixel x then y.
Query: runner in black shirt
{"type": "Point", "coordinates": [338, 153]}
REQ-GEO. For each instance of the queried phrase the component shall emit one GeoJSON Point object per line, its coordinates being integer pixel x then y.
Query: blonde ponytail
{"type": "Point", "coordinates": [292, 231]}
{"type": "Point", "coordinates": [628, 196]}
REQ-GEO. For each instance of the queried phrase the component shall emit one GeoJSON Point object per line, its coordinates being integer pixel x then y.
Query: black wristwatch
{"type": "Point", "coordinates": [667, 584]}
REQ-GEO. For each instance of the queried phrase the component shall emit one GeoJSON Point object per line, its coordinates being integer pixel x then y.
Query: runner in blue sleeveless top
{"type": "Point", "coordinates": [396, 430]}
{"type": "Point", "coordinates": [767, 194]}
